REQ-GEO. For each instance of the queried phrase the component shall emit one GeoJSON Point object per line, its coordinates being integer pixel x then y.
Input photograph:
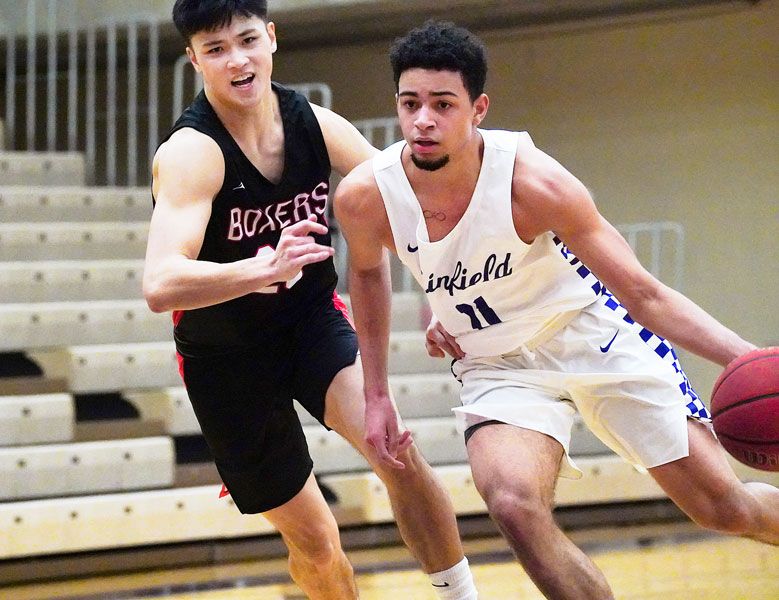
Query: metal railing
{"type": "Point", "coordinates": [90, 124]}
{"type": "Point", "coordinates": [100, 84]}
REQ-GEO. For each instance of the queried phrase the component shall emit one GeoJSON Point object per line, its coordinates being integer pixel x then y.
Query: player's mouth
{"type": "Point", "coordinates": [424, 145]}
{"type": "Point", "coordinates": [243, 81]}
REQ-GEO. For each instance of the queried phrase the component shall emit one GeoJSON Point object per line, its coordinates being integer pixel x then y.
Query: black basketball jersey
{"type": "Point", "coordinates": [247, 217]}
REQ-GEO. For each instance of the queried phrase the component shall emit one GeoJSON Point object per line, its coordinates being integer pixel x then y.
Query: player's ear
{"type": "Point", "coordinates": [480, 106]}
{"type": "Point", "coordinates": [271, 29]}
{"type": "Point", "coordinates": [193, 59]}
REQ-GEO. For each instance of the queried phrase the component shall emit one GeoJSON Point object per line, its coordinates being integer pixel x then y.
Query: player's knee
{"type": "Point", "coordinates": [516, 511]}
{"type": "Point", "coordinates": [413, 472]}
{"type": "Point", "coordinates": [315, 552]}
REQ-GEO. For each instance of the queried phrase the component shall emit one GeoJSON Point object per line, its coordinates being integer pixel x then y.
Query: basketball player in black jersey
{"type": "Point", "coordinates": [239, 250]}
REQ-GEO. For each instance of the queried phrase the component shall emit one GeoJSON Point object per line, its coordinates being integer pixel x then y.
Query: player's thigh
{"type": "Point", "coordinates": [345, 403]}
{"type": "Point", "coordinates": [514, 463]}
{"type": "Point", "coordinates": [323, 364]}
{"type": "Point", "coordinates": [306, 521]}
{"type": "Point", "coordinates": [345, 407]}
{"type": "Point", "coordinates": [704, 479]}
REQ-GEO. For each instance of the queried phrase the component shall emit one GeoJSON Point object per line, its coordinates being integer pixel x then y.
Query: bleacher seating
{"type": "Point", "coordinates": [70, 280]}
{"type": "Point", "coordinates": [38, 419]}
{"type": "Point", "coordinates": [41, 168]}
{"type": "Point", "coordinates": [51, 324]}
{"type": "Point", "coordinates": [50, 204]}
{"type": "Point", "coordinates": [86, 467]}
{"type": "Point", "coordinates": [70, 240]}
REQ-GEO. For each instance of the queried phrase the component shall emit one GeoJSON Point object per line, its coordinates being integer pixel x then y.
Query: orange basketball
{"type": "Point", "coordinates": [745, 408]}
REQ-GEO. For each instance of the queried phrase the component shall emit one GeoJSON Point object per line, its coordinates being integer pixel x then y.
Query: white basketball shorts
{"type": "Point", "coordinates": [625, 382]}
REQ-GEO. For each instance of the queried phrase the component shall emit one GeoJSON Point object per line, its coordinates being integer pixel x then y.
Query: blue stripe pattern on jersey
{"type": "Point", "coordinates": [662, 348]}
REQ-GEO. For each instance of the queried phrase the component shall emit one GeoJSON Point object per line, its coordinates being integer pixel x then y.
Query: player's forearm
{"type": "Point", "coordinates": [677, 318]}
{"type": "Point", "coordinates": [371, 297]}
{"type": "Point", "coordinates": [180, 283]}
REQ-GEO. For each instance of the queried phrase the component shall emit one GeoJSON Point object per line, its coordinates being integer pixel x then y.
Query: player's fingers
{"type": "Point", "coordinates": [405, 441]}
{"type": "Point", "coordinates": [453, 348]}
{"type": "Point", "coordinates": [380, 447]}
{"type": "Point", "coordinates": [305, 227]}
{"type": "Point", "coordinates": [433, 349]}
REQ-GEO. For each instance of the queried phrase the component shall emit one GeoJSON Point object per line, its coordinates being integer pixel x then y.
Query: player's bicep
{"type": "Point", "coordinates": [360, 214]}
{"type": "Point", "coordinates": [188, 173]}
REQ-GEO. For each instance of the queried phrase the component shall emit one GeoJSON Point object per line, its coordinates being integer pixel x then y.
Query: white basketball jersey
{"type": "Point", "coordinates": [489, 289]}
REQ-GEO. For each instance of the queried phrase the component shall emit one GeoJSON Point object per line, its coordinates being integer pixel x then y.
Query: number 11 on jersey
{"type": "Point", "coordinates": [485, 311]}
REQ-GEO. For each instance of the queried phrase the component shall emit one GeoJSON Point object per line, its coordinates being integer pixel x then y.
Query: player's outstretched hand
{"type": "Point", "coordinates": [439, 342]}
{"type": "Point", "coordinates": [297, 248]}
{"type": "Point", "coordinates": [383, 434]}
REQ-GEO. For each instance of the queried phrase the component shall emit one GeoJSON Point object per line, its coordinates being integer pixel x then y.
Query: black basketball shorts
{"type": "Point", "coordinates": [243, 402]}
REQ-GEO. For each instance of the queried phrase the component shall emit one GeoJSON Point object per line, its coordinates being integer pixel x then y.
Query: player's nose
{"type": "Point", "coordinates": [424, 118]}
{"type": "Point", "coordinates": [237, 59]}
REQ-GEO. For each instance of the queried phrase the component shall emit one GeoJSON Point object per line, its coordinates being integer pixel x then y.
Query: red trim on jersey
{"type": "Point", "coordinates": [341, 305]}
{"type": "Point", "coordinates": [224, 491]}
{"type": "Point", "coordinates": [177, 314]}
{"type": "Point", "coordinates": [180, 361]}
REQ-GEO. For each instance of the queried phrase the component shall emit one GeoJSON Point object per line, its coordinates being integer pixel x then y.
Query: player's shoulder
{"type": "Point", "coordinates": [360, 180]}
{"type": "Point", "coordinates": [187, 141]}
{"type": "Point", "coordinates": [188, 151]}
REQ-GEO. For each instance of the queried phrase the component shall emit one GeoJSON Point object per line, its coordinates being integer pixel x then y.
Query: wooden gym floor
{"type": "Point", "coordinates": [652, 562]}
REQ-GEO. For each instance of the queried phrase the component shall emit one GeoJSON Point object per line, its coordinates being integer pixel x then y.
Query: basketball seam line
{"type": "Point", "coordinates": [751, 360]}
{"type": "Point", "coordinates": [746, 441]}
{"type": "Point", "coordinates": [745, 401]}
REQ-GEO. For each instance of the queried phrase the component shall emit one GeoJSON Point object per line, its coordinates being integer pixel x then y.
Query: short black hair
{"type": "Point", "coordinates": [442, 46]}
{"type": "Point", "coordinates": [193, 16]}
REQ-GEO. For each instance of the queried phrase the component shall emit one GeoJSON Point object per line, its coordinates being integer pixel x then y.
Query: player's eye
{"type": "Point", "coordinates": [249, 39]}
{"type": "Point", "coordinates": [214, 50]}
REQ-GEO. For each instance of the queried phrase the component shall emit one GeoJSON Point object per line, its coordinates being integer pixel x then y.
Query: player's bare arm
{"type": "Point", "coordinates": [360, 212]}
{"type": "Point", "coordinates": [346, 146]}
{"type": "Point", "coordinates": [188, 172]}
{"type": "Point", "coordinates": [549, 198]}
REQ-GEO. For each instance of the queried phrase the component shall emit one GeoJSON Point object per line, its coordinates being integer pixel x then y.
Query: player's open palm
{"type": "Point", "coordinates": [297, 248]}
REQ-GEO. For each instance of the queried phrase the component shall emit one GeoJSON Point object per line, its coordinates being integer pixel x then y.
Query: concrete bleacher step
{"type": "Point", "coordinates": [51, 324]}
{"type": "Point", "coordinates": [36, 419]}
{"type": "Point", "coordinates": [19, 204]}
{"type": "Point", "coordinates": [409, 311]}
{"type": "Point", "coordinates": [74, 524]}
{"type": "Point", "coordinates": [417, 396]}
{"type": "Point", "coordinates": [72, 241]}
{"type": "Point", "coordinates": [70, 280]}
{"type": "Point", "coordinates": [79, 523]}
{"type": "Point", "coordinates": [408, 356]}
{"type": "Point", "coordinates": [86, 467]}
{"type": "Point", "coordinates": [112, 367]}
{"type": "Point", "coordinates": [42, 168]}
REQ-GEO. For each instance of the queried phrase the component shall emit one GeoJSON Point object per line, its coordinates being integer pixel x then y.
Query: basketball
{"type": "Point", "coordinates": [745, 409]}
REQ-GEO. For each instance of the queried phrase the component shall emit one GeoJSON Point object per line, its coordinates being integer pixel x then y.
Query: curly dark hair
{"type": "Point", "coordinates": [193, 16]}
{"type": "Point", "coordinates": [442, 46]}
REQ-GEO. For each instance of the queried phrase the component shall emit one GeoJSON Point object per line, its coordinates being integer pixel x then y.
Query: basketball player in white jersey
{"type": "Point", "coordinates": [498, 234]}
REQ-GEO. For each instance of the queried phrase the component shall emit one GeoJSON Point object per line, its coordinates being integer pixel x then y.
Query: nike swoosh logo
{"type": "Point", "coordinates": [605, 348]}
{"type": "Point", "coordinates": [411, 248]}
{"type": "Point", "coordinates": [444, 584]}
{"type": "Point", "coordinates": [239, 187]}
